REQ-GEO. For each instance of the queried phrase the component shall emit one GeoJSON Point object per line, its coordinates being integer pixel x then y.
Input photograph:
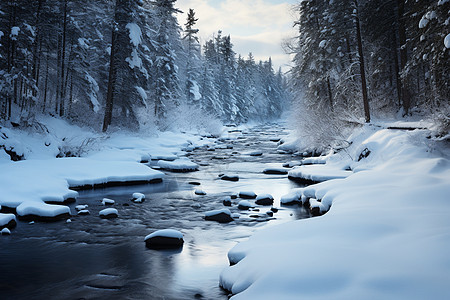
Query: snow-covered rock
{"type": "Point", "coordinates": [264, 199]}
{"type": "Point", "coordinates": [230, 177]}
{"type": "Point", "coordinates": [138, 197]}
{"type": "Point", "coordinates": [83, 212]}
{"type": "Point", "coordinates": [107, 201]}
{"type": "Point", "coordinates": [199, 192]}
{"type": "Point", "coordinates": [164, 239]}
{"type": "Point", "coordinates": [81, 207]}
{"type": "Point", "coordinates": [247, 194]}
{"type": "Point", "coordinates": [275, 171]}
{"type": "Point", "coordinates": [221, 216]}
{"type": "Point", "coordinates": [108, 213]}
{"type": "Point", "coordinates": [5, 231]}
{"type": "Point", "coordinates": [245, 205]}
{"type": "Point", "coordinates": [179, 165]}
{"type": "Point", "coordinates": [7, 221]}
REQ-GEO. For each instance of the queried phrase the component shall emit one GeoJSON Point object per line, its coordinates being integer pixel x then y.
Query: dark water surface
{"type": "Point", "coordinates": [93, 258]}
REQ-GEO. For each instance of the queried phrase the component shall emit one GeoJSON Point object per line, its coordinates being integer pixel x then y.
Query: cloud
{"type": "Point", "coordinates": [256, 26]}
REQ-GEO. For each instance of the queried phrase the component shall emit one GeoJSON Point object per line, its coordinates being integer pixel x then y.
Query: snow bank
{"type": "Point", "coordinates": [317, 173]}
{"type": "Point", "coordinates": [385, 237]}
{"type": "Point", "coordinates": [26, 185]}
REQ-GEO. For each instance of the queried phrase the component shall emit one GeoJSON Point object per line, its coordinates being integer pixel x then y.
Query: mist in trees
{"type": "Point", "coordinates": [355, 60]}
{"type": "Point", "coordinates": [126, 63]}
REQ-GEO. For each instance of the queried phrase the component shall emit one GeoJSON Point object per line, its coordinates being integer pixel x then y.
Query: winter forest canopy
{"type": "Point", "coordinates": [128, 64]}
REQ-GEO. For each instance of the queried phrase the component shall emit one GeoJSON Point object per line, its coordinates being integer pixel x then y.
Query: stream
{"type": "Point", "coordinates": [94, 258]}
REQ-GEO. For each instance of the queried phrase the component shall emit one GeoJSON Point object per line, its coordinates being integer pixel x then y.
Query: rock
{"type": "Point", "coordinates": [230, 177]}
{"type": "Point", "coordinates": [255, 153]}
{"type": "Point", "coordinates": [83, 212]}
{"type": "Point", "coordinates": [269, 213]}
{"type": "Point", "coordinates": [274, 209]}
{"type": "Point", "coordinates": [234, 196]}
{"type": "Point", "coordinates": [138, 197]}
{"type": "Point", "coordinates": [194, 183]}
{"type": "Point", "coordinates": [164, 239]}
{"type": "Point", "coordinates": [107, 201]}
{"type": "Point", "coordinates": [244, 205]}
{"type": "Point", "coordinates": [247, 195]}
{"type": "Point", "coordinates": [68, 221]}
{"type": "Point", "coordinates": [221, 216]}
{"type": "Point", "coordinates": [5, 231]}
{"type": "Point", "coordinates": [276, 140]}
{"type": "Point", "coordinates": [108, 213]}
{"type": "Point", "coordinates": [275, 171]}
{"type": "Point", "coordinates": [199, 192]}
{"type": "Point", "coordinates": [227, 201]}
{"type": "Point", "coordinates": [264, 199]}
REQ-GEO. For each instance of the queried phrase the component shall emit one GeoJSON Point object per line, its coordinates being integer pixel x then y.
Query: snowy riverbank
{"type": "Point", "coordinates": [35, 186]}
{"type": "Point", "coordinates": [386, 236]}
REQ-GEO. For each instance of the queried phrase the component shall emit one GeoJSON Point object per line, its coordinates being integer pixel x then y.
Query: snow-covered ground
{"type": "Point", "coordinates": [28, 184]}
{"type": "Point", "coordinates": [386, 235]}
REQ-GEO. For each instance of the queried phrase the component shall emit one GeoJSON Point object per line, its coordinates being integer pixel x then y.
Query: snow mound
{"type": "Point", "coordinates": [107, 201]}
{"type": "Point", "coordinates": [138, 197]}
{"type": "Point", "coordinates": [221, 215]}
{"type": "Point", "coordinates": [165, 238]}
{"type": "Point", "coordinates": [37, 209]}
{"type": "Point", "coordinates": [245, 204]}
{"type": "Point", "coordinates": [247, 194]}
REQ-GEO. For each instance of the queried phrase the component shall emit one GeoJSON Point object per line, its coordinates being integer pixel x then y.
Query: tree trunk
{"type": "Point", "coordinates": [63, 60]}
{"type": "Point", "coordinates": [406, 98]}
{"type": "Point", "coordinates": [111, 81]}
{"type": "Point", "coordinates": [361, 66]}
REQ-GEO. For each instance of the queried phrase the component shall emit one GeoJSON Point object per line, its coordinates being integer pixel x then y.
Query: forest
{"type": "Point", "coordinates": [359, 60]}
{"type": "Point", "coordinates": [129, 64]}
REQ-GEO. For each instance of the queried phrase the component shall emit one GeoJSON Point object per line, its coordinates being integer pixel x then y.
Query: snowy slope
{"type": "Point", "coordinates": [386, 236]}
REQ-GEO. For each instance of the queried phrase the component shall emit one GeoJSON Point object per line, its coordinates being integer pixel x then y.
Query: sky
{"type": "Point", "coordinates": [257, 26]}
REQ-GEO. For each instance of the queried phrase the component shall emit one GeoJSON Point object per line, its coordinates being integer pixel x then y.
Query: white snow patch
{"type": "Point", "coordinates": [138, 197]}
{"type": "Point", "coordinates": [318, 173]}
{"type": "Point", "coordinates": [135, 34]}
{"type": "Point", "coordinates": [107, 201]}
{"type": "Point", "coordinates": [5, 231]}
{"type": "Point", "coordinates": [6, 218]}
{"type": "Point", "coordinates": [218, 211]}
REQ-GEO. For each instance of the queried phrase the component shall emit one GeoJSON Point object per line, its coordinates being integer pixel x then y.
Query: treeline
{"type": "Point", "coordinates": [355, 59]}
{"type": "Point", "coordinates": [125, 63]}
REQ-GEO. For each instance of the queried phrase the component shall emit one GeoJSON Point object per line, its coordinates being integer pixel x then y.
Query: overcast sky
{"type": "Point", "coordinates": [256, 26]}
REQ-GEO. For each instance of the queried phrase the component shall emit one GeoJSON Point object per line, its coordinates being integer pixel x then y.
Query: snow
{"type": "Point", "coordinates": [182, 164]}
{"type": "Point", "coordinates": [195, 90]}
{"type": "Point", "coordinates": [93, 92]}
{"type": "Point", "coordinates": [81, 207]}
{"type": "Point", "coordinates": [386, 235]}
{"type": "Point", "coordinates": [245, 204]}
{"type": "Point", "coordinates": [142, 94]}
{"type": "Point", "coordinates": [247, 194]}
{"type": "Point", "coordinates": [323, 44]}
{"type": "Point", "coordinates": [15, 31]}
{"type": "Point", "coordinates": [170, 233]}
{"type": "Point", "coordinates": [41, 209]}
{"type": "Point", "coordinates": [135, 34]}
{"type": "Point", "coordinates": [264, 196]}
{"type": "Point", "coordinates": [447, 41]}
{"type": "Point", "coordinates": [108, 212]}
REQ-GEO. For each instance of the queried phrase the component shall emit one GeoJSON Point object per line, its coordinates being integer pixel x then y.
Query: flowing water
{"type": "Point", "coordinates": [93, 258]}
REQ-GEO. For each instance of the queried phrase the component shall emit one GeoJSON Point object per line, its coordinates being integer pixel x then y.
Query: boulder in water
{"type": "Point", "coordinates": [164, 239]}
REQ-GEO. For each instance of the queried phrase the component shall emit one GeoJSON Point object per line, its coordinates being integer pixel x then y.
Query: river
{"type": "Point", "coordinates": [93, 258]}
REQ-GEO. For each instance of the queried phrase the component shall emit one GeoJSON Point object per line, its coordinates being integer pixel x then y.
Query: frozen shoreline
{"type": "Point", "coordinates": [386, 235]}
